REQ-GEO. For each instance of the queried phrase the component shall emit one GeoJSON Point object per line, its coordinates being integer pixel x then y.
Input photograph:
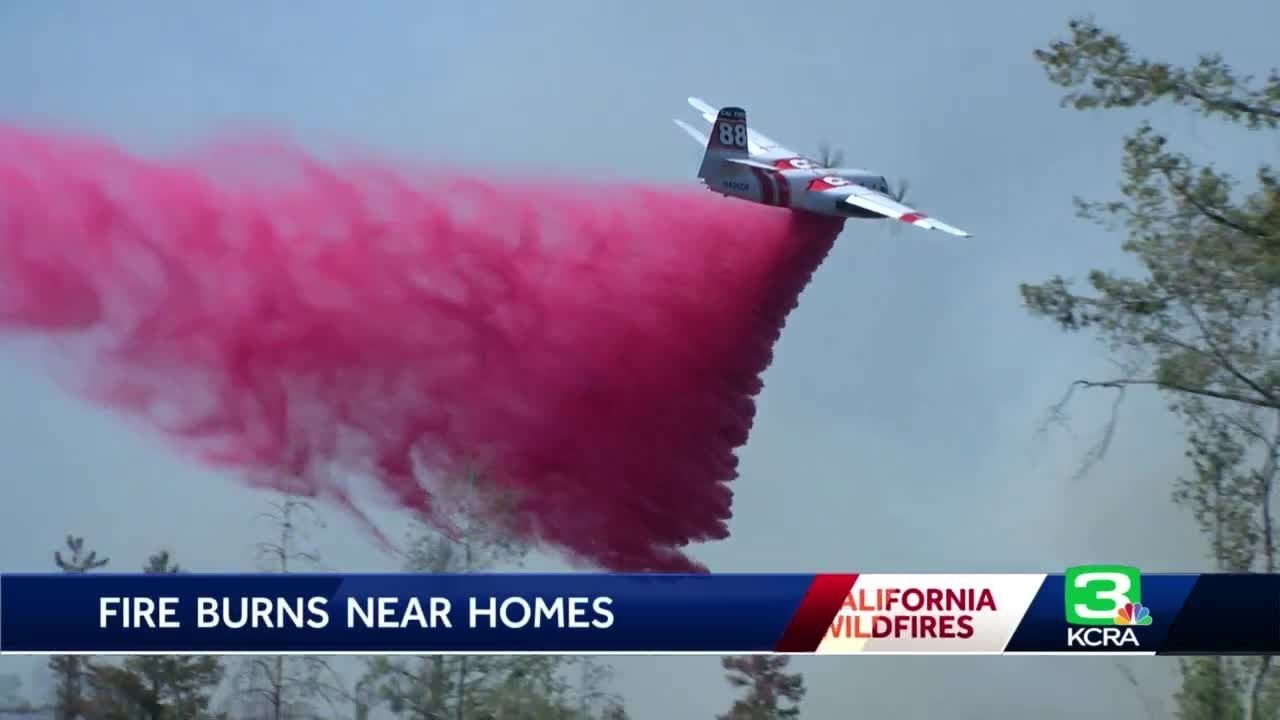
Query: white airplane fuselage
{"type": "Point", "coordinates": [790, 183]}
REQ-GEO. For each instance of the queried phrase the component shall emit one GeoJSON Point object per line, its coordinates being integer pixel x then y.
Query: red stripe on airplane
{"type": "Point", "coordinates": [784, 190]}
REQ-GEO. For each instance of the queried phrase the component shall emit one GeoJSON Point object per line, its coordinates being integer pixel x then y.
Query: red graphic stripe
{"type": "Point", "coordinates": [813, 618]}
{"type": "Point", "coordinates": [784, 190]}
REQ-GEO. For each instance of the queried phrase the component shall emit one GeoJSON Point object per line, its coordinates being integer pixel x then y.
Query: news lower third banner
{"type": "Point", "coordinates": [1091, 609]}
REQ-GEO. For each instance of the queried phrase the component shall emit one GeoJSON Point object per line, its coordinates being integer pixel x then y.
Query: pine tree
{"type": "Point", "coordinates": [1197, 322]}
{"type": "Point", "coordinates": [155, 687]}
{"type": "Point", "coordinates": [436, 687]}
{"type": "Point", "coordinates": [475, 513]}
{"type": "Point", "coordinates": [772, 692]}
{"type": "Point", "coordinates": [70, 671]}
{"type": "Point", "coordinates": [593, 696]}
{"type": "Point", "coordinates": [280, 687]}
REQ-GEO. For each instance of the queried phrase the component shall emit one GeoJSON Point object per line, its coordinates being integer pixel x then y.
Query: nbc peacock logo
{"type": "Point", "coordinates": [1133, 614]}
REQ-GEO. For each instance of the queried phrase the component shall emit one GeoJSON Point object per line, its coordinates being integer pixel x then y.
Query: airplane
{"type": "Point", "coordinates": [740, 162]}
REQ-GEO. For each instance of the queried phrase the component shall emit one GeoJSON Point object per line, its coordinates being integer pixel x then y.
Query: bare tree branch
{"type": "Point", "coordinates": [1163, 385]}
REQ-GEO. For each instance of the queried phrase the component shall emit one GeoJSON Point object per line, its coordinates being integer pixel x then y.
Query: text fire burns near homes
{"type": "Point", "coordinates": [358, 612]}
{"type": "Point", "coordinates": [911, 613]}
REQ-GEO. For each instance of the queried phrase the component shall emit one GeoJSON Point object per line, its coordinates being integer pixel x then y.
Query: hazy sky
{"type": "Point", "coordinates": [896, 430]}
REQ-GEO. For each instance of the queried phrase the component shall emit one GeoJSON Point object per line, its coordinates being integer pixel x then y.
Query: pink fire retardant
{"type": "Point", "coordinates": [308, 324]}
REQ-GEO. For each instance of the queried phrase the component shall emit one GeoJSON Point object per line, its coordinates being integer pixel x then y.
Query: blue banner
{"type": "Point", "coordinates": [222, 614]}
{"type": "Point", "coordinates": [1089, 609]}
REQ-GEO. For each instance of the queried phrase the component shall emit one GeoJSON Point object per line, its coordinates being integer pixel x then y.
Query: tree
{"type": "Point", "coordinates": [772, 692]}
{"type": "Point", "coordinates": [155, 687]}
{"type": "Point", "coordinates": [280, 687]}
{"type": "Point", "coordinates": [364, 698]}
{"type": "Point", "coordinates": [478, 520]}
{"type": "Point", "coordinates": [69, 671]}
{"type": "Point", "coordinates": [614, 711]}
{"type": "Point", "coordinates": [594, 698]}
{"type": "Point", "coordinates": [438, 687]}
{"type": "Point", "coordinates": [1198, 323]}
{"type": "Point", "coordinates": [525, 688]}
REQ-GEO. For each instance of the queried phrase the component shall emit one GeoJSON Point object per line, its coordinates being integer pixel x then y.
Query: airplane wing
{"type": "Point", "coordinates": [868, 199]}
{"type": "Point", "coordinates": [701, 138]}
{"type": "Point", "coordinates": [757, 142]}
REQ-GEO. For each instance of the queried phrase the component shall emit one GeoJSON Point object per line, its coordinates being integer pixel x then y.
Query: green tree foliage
{"type": "Point", "coordinates": [772, 693]}
{"type": "Point", "coordinates": [70, 671]}
{"type": "Point", "coordinates": [154, 687]}
{"type": "Point", "coordinates": [478, 536]}
{"type": "Point", "coordinates": [1197, 323]}
{"type": "Point", "coordinates": [294, 687]}
{"type": "Point", "coordinates": [593, 696]}
{"type": "Point", "coordinates": [438, 687]}
{"type": "Point", "coordinates": [539, 688]}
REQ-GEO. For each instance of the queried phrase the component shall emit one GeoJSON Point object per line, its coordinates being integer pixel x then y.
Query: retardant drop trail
{"type": "Point", "coordinates": [305, 323]}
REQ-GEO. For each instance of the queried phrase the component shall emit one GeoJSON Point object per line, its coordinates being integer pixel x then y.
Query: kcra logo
{"type": "Point", "coordinates": [1104, 603]}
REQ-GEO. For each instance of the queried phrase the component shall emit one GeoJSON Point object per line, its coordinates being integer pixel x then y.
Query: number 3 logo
{"type": "Point", "coordinates": [733, 135]}
{"type": "Point", "coordinates": [1108, 592]}
{"type": "Point", "coordinates": [1096, 594]}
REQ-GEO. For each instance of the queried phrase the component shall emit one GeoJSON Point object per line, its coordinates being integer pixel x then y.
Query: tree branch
{"type": "Point", "coordinates": [1202, 392]}
{"type": "Point", "coordinates": [1226, 362]}
{"type": "Point", "coordinates": [1180, 188]}
{"type": "Point", "coordinates": [1221, 103]}
{"type": "Point", "coordinates": [1102, 62]}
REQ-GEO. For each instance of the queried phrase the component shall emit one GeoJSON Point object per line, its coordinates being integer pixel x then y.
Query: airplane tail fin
{"type": "Point", "coordinates": [728, 140]}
